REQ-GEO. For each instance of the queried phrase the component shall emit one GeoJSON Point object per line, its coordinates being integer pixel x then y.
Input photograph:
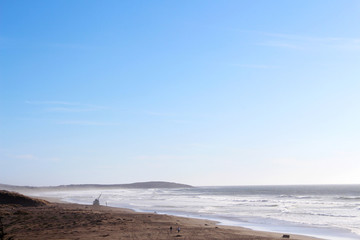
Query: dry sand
{"type": "Point", "coordinates": [74, 221]}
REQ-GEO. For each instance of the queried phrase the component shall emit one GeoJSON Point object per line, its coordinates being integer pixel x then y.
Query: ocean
{"type": "Point", "coordinates": [326, 211]}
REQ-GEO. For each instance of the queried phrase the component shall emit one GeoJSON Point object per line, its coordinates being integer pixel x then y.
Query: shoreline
{"type": "Point", "coordinates": [267, 226]}
{"type": "Point", "coordinates": [286, 228]}
{"type": "Point", "coordinates": [60, 220]}
{"type": "Point", "coordinates": [306, 231]}
{"type": "Point", "coordinates": [218, 223]}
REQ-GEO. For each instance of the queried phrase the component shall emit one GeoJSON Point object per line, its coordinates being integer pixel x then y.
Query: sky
{"type": "Point", "coordinates": [197, 92]}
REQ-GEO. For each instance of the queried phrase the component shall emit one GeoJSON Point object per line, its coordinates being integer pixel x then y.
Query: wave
{"type": "Point", "coordinates": [331, 215]}
{"type": "Point", "coordinates": [252, 200]}
{"type": "Point", "coordinates": [296, 196]}
{"type": "Point", "coordinates": [285, 196]}
{"type": "Point", "coordinates": [351, 198]}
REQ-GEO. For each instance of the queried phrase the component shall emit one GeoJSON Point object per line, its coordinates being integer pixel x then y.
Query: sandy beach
{"type": "Point", "coordinates": [54, 220]}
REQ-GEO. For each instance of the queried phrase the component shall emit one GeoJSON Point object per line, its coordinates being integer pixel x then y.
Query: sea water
{"type": "Point", "coordinates": [326, 211]}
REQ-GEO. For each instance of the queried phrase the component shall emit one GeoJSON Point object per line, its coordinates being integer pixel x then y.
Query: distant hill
{"type": "Point", "coordinates": [144, 185]}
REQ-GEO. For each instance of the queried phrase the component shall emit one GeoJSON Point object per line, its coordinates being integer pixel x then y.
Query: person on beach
{"type": "Point", "coordinates": [178, 229]}
{"type": "Point", "coordinates": [170, 228]}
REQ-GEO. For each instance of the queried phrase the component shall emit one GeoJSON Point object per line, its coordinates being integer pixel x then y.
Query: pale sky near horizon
{"type": "Point", "coordinates": [195, 92]}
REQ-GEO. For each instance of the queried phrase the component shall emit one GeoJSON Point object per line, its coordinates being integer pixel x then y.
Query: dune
{"type": "Point", "coordinates": [13, 198]}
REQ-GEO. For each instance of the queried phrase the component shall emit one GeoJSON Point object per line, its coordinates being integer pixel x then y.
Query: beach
{"type": "Point", "coordinates": [54, 220]}
{"type": "Point", "coordinates": [323, 211]}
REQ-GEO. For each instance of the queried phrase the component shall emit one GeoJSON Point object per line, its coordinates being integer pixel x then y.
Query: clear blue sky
{"type": "Point", "coordinates": [197, 92]}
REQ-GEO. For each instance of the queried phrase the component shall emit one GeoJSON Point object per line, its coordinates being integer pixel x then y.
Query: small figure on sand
{"type": "Point", "coordinates": [170, 228]}
{"type": "Point", "coordinates": [178, 229]}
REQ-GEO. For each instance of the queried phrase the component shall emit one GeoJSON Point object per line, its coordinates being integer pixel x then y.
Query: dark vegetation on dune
{"type": "Point", "coordinates": [3, 234]}
{"type": "Point", "coordinates": [13, 198]}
